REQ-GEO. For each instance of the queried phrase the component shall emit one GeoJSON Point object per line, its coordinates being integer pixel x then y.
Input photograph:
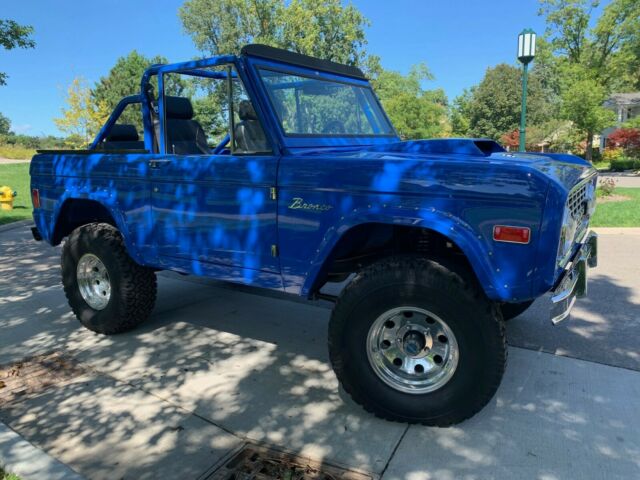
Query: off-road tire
{"type": "Point", "coordinates": [133, 287]}
{"type": "Point", "coordinates": [512, 310]}
{"type": "Point", "coordinates": [412, 281]}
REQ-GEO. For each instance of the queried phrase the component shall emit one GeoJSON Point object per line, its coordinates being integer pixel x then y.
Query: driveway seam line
{"type": "Point", "coordinates": [393, 453]}
{"type": "Point", "coordinates": [573, 358]}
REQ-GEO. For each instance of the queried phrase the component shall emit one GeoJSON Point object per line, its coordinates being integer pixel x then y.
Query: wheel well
{"type": "Point", "coordinates": [364, 244]}
{"type": "Point", "coordinates": [77, 212]}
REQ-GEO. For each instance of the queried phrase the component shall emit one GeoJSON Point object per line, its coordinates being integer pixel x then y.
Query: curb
{"type": "Point", "coordinates": [14, 225]}
{"type": "Point", "coordinates": [29, 462]}
{"type": "Point", "coordinates": [616, 230]}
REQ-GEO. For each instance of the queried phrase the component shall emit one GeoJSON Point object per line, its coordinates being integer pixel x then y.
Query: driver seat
{"type": "Point", "coordinates": [249, 136]}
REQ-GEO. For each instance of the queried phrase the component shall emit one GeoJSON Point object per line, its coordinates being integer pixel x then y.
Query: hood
{"type": "Point", "coordinates": [563, 170]}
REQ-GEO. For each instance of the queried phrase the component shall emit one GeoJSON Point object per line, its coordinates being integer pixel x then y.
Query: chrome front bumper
{"type": "Point", "coordinates": [573, 283]}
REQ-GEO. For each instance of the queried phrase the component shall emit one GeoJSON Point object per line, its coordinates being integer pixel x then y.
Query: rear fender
{"type": "Point", "coordinates": [96, 200]}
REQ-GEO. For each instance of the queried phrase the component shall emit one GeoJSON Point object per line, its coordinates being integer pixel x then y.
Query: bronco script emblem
{"type": "Point", "coordinates": [298, 203]}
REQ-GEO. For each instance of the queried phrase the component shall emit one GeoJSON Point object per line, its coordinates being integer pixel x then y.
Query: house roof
{"type": "Point", "coordinates": [632, 98]}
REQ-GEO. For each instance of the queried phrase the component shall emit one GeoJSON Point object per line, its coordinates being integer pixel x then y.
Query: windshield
{"type": "Point", "coordinates": [319, 107]}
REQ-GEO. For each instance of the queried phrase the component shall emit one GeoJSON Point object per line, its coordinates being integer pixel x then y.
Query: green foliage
{"type": "Point", "coordinates": [611, 154]}
{"type": "Point", "coordinates": [13, 35]}
{"type": "Point", "coordinates": [593, 61]}
{"type": "Point", "coordinates": [582, 100]}
{"type": "Point", "coordinates": [414, 111]}
{"type": "Point", "coordinates": [632, 123]}
{"type": "Point", "coordinates": [16, 176]}
{"type": "Point", "coordinates": [621, 164]}
{"type": "Point", "coordinates": [124, 79]}
{"type": "Point", "coordinates": [322, 28]}
{"type": "Point", "coordinates": [461, 112]}
{"type": "Point", "coordinates": [5, 125]}
{"type": "Point", "coordinates": [83, 117]}
{"type": "Point", "coordinates": [495, 103]}
{"type": "Point", "coordinates": [16, 152]}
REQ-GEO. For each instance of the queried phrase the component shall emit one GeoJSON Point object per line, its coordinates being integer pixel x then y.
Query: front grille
{"type": "Point", "coordinates": [581, 200]}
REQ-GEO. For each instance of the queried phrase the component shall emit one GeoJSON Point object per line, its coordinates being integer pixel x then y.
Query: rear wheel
{"type": "Point", "coordinates": [108, 292]}
{"type": "Point", "coordinates": [411, 341]}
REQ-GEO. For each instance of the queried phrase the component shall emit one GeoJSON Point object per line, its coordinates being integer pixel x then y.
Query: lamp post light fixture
{"type": "Point", "coordinates": [526, 52]}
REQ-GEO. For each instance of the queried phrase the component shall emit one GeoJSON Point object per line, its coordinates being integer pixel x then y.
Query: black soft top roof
{"type": "Point", "coordinates": [285, 56]}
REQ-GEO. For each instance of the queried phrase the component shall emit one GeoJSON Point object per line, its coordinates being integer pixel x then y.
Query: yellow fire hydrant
{"type": "Point", "coordinates": [6, 198]}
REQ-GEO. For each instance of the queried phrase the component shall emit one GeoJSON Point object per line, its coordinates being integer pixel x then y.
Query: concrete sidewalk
{"type": "Point", "coordinates": [216, 367]}
{"type": "Point", "coordinates": [622, 179]}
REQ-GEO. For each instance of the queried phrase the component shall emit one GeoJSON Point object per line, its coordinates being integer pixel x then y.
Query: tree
{"type": "Point", "coordinates": [582, 100]}
{"type": "Point", "coordinates": [461, 112]}
{"type": "Point", "coordinates": [322, 28]}
{"type": "Point", "coordinates": [83, 117]}
{"type": "Point", "coordinates": [5, 125]}
{"type": "Point", "coordinates": [495, 104]}
{"type": "Point", "coordinates": [124, 78]}
{"type": "Point", "coordinates": [414, 111]}
{"type": "Point", "coordinates": [13, 35]}
{"type": "Point", "coordinates": [593, 62]}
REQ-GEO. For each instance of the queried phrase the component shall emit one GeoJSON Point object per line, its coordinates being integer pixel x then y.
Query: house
{"type": "Point", "coordinates": [626, 106]}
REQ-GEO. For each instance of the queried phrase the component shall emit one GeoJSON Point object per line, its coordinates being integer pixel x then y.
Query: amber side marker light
{"type": "Point", "coordinates": [504, 233]}
{"type": "Point", "coordinates": [35, 198]}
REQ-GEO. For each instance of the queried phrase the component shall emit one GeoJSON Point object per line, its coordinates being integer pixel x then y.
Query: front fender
{"type": "Point", "coordinates": [474, 246]}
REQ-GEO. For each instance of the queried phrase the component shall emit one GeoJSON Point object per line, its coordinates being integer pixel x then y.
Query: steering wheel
{"type": "Point", "coordinates": [334, 126]}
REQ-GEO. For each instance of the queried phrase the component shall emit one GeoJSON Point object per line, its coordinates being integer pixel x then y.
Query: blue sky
{"type": "Point", "coordinates": [457, 39]}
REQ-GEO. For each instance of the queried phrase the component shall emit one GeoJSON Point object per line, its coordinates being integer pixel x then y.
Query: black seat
{"type": "Point", "coordinates": [185, 136]}
{"type": "Point", "coordinates": [122, 137]}
{"type": "Point", "coordinates": [249, 136]}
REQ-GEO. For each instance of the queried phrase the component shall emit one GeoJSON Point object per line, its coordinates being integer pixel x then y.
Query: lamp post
{"type": "Point", "coordinates": [526, 52]}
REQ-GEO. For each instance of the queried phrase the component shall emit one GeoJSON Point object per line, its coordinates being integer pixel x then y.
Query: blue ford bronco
{"type": "Point", "coordinates": [282, 171]}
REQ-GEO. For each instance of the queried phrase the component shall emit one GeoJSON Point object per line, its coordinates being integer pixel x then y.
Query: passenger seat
{"type": "Point", "coordinates": [249, 136]}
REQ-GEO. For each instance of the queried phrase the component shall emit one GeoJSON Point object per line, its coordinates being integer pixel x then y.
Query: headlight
{"type": "Point", "coordinates": [567, 236]}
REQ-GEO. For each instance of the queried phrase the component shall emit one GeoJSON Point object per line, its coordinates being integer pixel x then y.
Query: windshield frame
{"type": "Point", "coordinates": [331, 79]}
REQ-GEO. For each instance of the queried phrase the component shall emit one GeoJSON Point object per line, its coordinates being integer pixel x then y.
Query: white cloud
{"type": "Point", "coordinates": [25, 128]}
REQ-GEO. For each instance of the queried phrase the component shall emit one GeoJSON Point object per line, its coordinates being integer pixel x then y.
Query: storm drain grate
{"type": "Point", "coordinates": [260, 463]}
{"type": "Point", "coordinates": [33, 375]}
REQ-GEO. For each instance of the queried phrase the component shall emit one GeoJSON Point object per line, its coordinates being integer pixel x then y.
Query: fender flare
{"type": "Point", "coordinates": [476, 248]}
{"type": "Point", "coordinates": [108, 202]}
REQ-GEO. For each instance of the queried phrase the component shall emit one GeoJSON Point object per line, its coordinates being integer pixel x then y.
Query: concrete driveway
{"type": "Point", "coordinates": [217, 367]}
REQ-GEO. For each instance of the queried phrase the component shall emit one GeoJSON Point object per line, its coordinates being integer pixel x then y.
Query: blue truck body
{"type": "Point", "coordinates": [433, 243]}
{"type": "Point", "coordinates": [275, 220]}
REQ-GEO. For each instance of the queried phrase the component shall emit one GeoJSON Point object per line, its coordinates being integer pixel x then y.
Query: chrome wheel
{"type": "Point", "coordinates": [93, 281]}
{"type": "Point", "coordinates": [412, 350]}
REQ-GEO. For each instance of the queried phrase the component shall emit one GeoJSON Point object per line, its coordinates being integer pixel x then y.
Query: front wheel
{"type": "Point", "coordinates": [411, 341]}
{"type": "Point", "coordinates": [108, 292]}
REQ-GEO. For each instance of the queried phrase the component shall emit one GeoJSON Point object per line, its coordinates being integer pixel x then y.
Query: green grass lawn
{"type": "Point", "coordinates": [618, 214]}
{"type": "Point", "coordinates": [16, 176]}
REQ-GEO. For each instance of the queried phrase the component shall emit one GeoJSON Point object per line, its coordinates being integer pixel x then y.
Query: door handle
{"type": "Point", "coordinates": [157, 163]}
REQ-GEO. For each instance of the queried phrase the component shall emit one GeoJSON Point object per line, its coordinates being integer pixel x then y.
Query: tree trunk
{"type": "Point", "coordinates": [588, 154]}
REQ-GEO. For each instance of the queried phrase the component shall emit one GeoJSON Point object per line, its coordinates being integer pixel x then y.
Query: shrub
{"type": "Point", "coordinates": [625, 164]}
{"type": "Point", "coordinates": [607, 186]}
{"type": "Point", "coordinates": [611, 154]}
{"type": "Point", "coordinates": [626, 138]}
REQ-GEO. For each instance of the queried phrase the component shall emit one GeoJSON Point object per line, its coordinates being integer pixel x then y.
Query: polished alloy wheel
{"type": "Point", "coordinates": [93, 281]}
{"type": "Point", "coordinates": [412, 350]}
